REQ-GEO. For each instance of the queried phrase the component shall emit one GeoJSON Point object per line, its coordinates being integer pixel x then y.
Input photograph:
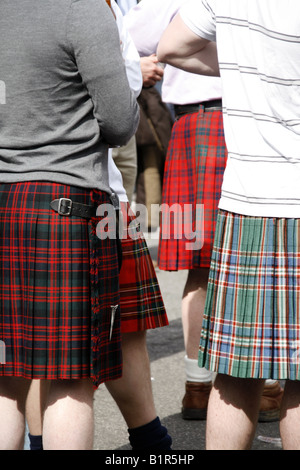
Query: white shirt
{"type": "Point", "coordinates": [146, 22]}
{"type": "Point", "coordinates": [129, 52]}
{"type": "Point", "coordinates": [134, 75]}
{"type": "Point", "coordinates": [125, 5]}
{"type": "Point", "coordinates": [258, 48]}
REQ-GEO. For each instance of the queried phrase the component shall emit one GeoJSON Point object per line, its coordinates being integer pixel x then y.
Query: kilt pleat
{"type": "Point", "coordinates": [193, 177]}
{"type": "Point", "coordinates": [141, 301]}
{"type": "Point", "coordinates": [251, 326]}
{"type": "Point", "coordinates": [51, 269]}
{"type": "Point", "coordinates": [105, 303]}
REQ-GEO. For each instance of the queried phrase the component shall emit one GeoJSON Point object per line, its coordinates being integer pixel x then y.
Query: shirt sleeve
{"type": "Point", "coordinates": [199, 16]}
{"type": "Point", "coordinates": [129, 52]}
{"type": "Point", "coordinates": [147, 21]}
{"type": "Point", "coordinates": [95, 42]}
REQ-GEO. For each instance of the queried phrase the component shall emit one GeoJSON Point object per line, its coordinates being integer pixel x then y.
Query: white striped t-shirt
{"type": "Point", "coordinates": [258, 48]}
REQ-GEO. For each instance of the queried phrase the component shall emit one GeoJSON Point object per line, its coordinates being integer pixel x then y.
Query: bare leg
{"type": "Point", "coordinates": [133, 391]}
{"type": "Point", "coordinates": [198, 380]}
{"type": "Point", "coordinates": [290, 416]}
{"type": "Point", "coordinates": [193, 301]}
{"type": "Point", "coordinates": [13, 392]}
{"type": "Point", "coordinates": [152, 161]}
{"type": "Point", "coordinates": [68, 418]}
{"type": "Point", "coordinates": [232, 413]}
{"type": "Point", "coordinates": [35, 405]}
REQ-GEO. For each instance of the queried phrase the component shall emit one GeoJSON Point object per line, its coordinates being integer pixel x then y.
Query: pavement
{"type": "Point", "coordinates": [166, 351]}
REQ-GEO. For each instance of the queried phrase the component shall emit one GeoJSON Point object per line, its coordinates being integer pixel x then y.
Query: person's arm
{"type": "Point", "coordinates": [181, 47]}
{"type": "Point", "coordinates": [95, 42]}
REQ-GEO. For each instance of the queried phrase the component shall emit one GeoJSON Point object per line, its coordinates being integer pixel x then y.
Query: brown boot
{"type": "Point", "coordinates": [270, 403]}
{"type": "Point", "coordinates": [195, 400]}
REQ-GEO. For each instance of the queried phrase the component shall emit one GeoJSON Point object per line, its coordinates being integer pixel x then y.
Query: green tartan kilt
{"type": "Point", "coordinates": [251, 326]}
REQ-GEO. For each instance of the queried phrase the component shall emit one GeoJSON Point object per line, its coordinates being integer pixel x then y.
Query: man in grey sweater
{"type": "Point", "coordinates": [64, 99]}
{"type": "Point", "coordinates": [67, 95]}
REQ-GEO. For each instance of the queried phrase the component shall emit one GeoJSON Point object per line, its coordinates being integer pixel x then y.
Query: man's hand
{"type": "Point", "coordinates": [151, 70]}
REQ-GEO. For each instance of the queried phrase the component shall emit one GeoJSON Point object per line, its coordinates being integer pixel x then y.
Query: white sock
{"type": "Point", "coordinates": [194, 373]}
{"type": "Point", "coordinates": [270, 381]}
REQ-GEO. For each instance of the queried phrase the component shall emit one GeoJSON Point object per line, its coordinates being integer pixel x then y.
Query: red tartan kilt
{"type": "Point", "coordinates": [193, 176]}
{"type": "Point", "coordinates": [54, 318]}
{"type": "Point", "coordinates": [141, 302]}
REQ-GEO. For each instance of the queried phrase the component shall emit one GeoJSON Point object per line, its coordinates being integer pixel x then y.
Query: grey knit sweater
{"type": "Point", "coordinates": [64, 95]}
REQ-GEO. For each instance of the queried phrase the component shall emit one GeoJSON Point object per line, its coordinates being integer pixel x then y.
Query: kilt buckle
{"type": "Point", "coordinates": [67, 207]}
{"type": "Point", "coordinates": [64, 206]}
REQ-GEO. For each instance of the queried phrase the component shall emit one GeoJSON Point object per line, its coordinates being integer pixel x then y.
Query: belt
{"type": "Point", "coordinates": [67, 207]}
{"type": "Point", "coordinates": [181, 110]}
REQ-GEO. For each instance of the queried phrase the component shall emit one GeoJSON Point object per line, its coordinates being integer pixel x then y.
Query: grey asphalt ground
{"type": "Point", "coordinates": [166, 350]}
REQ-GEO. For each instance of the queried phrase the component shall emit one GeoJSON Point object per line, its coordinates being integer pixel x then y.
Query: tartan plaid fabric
{"type": "Point", "coordinates": [141, 302]}
{"type": "Point", "coordinates": [251, 326]}
{"type": "Point", "coordinates": [194, 170]}
{"type": "Point", "coordinates": [48, 291]}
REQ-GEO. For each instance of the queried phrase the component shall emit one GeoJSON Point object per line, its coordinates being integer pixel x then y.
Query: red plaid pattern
{"type": "Point", "coordinates": [194, 170]}
{"type": "Point", "coordinates": [141, 302]}
{"type": "Point", "coordinates": [58, 282]}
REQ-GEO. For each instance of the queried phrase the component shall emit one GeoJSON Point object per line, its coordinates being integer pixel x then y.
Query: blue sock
{"type": "Point", "coordinates": [36, 442]}
{"type": "Point", "coordinates": [152, 436]}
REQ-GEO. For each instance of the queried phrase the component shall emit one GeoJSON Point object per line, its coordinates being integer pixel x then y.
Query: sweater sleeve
{"type": "Point", "coordinates": [95, 43]}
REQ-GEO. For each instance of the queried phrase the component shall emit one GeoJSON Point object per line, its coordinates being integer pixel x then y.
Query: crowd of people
{"type": "Point", "coordinates": [78, 289]}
